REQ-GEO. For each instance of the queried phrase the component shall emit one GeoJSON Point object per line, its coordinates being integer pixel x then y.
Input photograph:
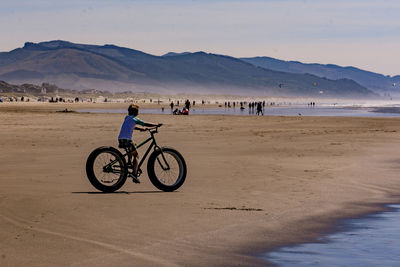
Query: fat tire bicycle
{"type": "Point", "coordinates": [107, 168]}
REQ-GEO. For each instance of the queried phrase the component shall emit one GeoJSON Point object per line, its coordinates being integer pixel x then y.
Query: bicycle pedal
{"type": "Point", "coordinates": [135, 180]}
{"type": "Point", "coordinates": [138, 173]}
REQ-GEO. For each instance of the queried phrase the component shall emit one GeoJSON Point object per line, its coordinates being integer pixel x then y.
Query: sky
{"type": "Point", "coordinates": [360, 33]}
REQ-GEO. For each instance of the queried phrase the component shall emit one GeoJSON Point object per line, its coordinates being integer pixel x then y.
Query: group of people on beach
{"type": "Point", "coordinates": [52, 99]}
{"type": "Point", "coordinates": [258, 106]}
{"type": "Point", "coordinates": [185, 109]}
{"type": "Point", "coordinates": [14, 99]}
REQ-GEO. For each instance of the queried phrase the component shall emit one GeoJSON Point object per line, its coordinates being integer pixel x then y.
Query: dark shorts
{"type": "Point", "coordinates": [126, 144]}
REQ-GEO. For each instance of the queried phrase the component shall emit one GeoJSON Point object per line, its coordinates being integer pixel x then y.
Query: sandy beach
{"type": "Point", "coordinates": [253, 183]}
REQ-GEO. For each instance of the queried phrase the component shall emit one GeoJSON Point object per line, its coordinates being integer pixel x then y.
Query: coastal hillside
{"type": "Point", "coordinates": [374, 81]}
{"type": "Point", "coordinates": [42, 89]}
{"type": "Point", "coordinates": [113, 68]}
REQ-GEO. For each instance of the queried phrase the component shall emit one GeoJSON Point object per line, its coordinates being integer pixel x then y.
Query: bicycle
{"type": "Point", "coordinates": [107, 168]}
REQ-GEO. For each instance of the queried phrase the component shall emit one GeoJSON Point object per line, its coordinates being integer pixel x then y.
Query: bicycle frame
{"type": "Point", "coordinates": [152, 144]}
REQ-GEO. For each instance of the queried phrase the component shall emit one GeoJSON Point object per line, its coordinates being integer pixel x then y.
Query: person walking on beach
{"type": "Point", "coordinates": [259, 109]}
{"type": "Point", "coordinates": [125, 137]}
{"type": "Point", "coordinates": [187, 104]}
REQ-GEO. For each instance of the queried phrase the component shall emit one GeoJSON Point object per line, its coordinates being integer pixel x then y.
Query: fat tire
{"type": "Point", "coordinates": [92, 177]}
{"type": "Point", "coordinates": [152, 175]}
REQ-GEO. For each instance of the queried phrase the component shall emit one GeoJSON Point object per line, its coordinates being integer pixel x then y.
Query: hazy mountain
{"type": "Point", "coordinates": [113, 68]}
{"type": "Point", "coordinates": [371, 80]}
{"type": "Point", "coordinates": [172, 54]}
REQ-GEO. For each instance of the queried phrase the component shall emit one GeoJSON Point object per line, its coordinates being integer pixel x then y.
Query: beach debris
{"type": "Point", "coordinates": [234, 208]}
{"type": "Point", "coordinates": [66, 111]}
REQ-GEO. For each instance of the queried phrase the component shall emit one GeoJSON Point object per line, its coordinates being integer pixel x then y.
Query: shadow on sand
{"type": "Point", "coordinates": [120, 192]}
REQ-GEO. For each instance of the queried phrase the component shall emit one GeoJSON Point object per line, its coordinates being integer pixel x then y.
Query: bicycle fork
{"type": "Point", "coordinates": [166, 167]}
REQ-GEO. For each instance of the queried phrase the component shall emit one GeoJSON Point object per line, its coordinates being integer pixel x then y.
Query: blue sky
{"type": "Point", "coordinates": [364, 34]}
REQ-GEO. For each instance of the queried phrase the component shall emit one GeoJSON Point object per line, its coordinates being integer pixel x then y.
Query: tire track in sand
{"type": "Point", "coordinates": [143, 256]}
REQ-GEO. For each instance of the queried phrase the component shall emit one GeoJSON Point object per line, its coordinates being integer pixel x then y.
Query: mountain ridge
{"type": "Point", "coordinates": [114, 68]}
{"type": "Point", "coordinates": [372, 80]}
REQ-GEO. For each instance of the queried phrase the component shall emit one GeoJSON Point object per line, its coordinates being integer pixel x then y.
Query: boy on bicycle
{"type": "Point", "coordinates": [125, 137]}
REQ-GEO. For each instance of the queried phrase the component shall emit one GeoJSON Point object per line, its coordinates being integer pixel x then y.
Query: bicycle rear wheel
{"type": "Point", "coordinates": [106, 169]}
{"type": "Point", "coordinates": [166, 169]}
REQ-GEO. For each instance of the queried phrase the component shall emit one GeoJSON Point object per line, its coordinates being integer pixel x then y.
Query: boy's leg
{"type": "Point", "coordinates": [134, 163]}
{"type": "Point", "coordinates": [129, 158]}
{"type": "Point", "coordinates": [134, 160]}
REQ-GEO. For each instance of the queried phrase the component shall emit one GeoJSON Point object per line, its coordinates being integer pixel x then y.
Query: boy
{"type": "Point", "coordinates": [125, 136]}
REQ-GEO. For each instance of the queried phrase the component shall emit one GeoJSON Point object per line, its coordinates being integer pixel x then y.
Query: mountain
{"type": "Point", "coordinates": [374, 81]}
{"type": "Point", "coordinates": [173, 54]}
{"type": "Point", "coordinates": [113, 68]}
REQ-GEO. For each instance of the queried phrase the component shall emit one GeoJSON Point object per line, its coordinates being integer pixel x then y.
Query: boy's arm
{"type": "Point", "coordinates": [139, 128]}
{"type": "Point", "coordinates": [150, 124]}
{"type": "Point", "coordinates": [146, 124]}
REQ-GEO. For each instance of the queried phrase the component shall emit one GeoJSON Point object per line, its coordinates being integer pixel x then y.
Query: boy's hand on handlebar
{"type": "Point", "coordinates": [147, 128]}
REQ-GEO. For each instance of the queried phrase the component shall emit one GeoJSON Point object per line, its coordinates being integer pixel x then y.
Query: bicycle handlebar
{"type": "Point", "coordinates": [154, 129]}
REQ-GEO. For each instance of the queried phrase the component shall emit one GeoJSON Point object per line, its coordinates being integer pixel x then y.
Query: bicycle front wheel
{"type": "Point", "coordinates": [106, 169]}
{"type": "Point", "coordinates": [166, 168]}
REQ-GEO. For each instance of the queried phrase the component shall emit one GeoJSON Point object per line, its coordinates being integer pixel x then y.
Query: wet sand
{"type": "Point", "coordinates": [253, 183]}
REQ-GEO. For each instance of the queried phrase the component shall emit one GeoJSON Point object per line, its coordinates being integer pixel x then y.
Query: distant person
{"type": "Point", "coordinates": [172, 105]}
{"type": "Point", "coordinates": [259, 108]}
{"type": "Point", "coordinates": [125, 136]}
{"type": "Point", "coordinates": [187, 104]}
{"type": "Point", "coordinates": [185, 111]}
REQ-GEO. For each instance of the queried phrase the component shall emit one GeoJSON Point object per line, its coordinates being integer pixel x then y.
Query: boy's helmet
{"type": "Point", "coordinates": [133, 109]}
